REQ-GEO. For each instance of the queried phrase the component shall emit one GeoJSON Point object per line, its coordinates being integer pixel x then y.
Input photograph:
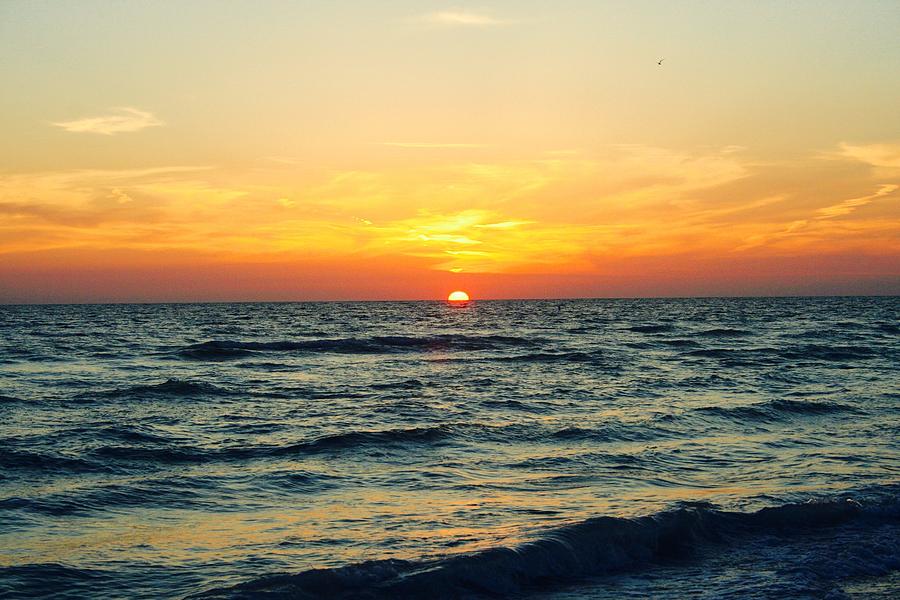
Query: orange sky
{"type": "Point", "coordinates": [352, 151]}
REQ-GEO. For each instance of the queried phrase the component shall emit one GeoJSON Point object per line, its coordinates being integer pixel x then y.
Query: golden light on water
{"type": "Point", "coordinates": [458, 296]}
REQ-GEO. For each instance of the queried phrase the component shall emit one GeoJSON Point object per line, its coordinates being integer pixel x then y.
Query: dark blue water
{"type": "Point", "coordinates": [547, 449]}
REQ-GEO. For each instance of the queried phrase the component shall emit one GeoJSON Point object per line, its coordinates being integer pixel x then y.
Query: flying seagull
{"type": "Point", "coordinates": [660, 61]}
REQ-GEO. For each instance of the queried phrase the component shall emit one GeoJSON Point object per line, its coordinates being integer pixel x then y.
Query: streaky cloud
{"type": "Point", "coordinates": [461, 18]}
{"type": "Point", "coordinates": [282, 160]}
{"type": "Point", "coordinates": [848, 206]}
{"type": "Point", "coordinates": [877, 155]}
{"type": "Point", "coordinates": [429, 145]}
{"type": "Point", "coordinates": [821, 215]}
{"type": "Point", "coordinates": [122, 120]}
{"type": "Point", "coordinates": [504, 224]}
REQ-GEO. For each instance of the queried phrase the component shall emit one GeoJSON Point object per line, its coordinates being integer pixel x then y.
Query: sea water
{"type": "Point", "coordinates": [549, 449]}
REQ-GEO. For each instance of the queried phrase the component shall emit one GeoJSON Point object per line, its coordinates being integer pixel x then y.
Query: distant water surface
{"type": "Point", "coordinates": [546, 449]}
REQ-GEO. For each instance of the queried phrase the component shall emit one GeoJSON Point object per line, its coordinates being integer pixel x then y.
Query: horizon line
{"type": "Point", "coordinates": [444, 300]}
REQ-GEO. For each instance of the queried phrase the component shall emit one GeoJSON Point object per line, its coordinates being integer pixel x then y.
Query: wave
{"type": "Point", "coordinates": [155, 454]}
{"type": "Point", "coordinates": [806, 352]}
{"type": "Point", "coordinates": [47, 463]}
{"type": "Point", "coordinates": [33, 580]}
{"type": "Point", "coordinates": [550, 357]}
{"type": "Point", "coordinates": [129, 445]}
{"type": "Point", "coordinates": [173, 388]}
{"type": "Point", "coordinates": [228, 349]}
{"type": "Point", "coordinates": [399, 437]}
{"type": "Point", "coordinates": [615, 460]}
{"type": "Point", "coordinates": [680, 343]}
{"type": "Point", "coordinates": [213, 351]}
{"type": "Point", "coordinates": [723, 332]}
{"type": "Point", "coordinates": [888, 327]}
{"type": "Point", "coordinates": [406, 384]}
{"type": "Point", "coordinates": [403, 437]}
{"type": "Point", "coordinates": [738, 356]}
{"type": "Point", "coordinates": [832, 353]}
{"type": "Point", "coordinates": [612, 432]}
{"type": "Point", "coordinates": [660, 328]}
{"type": "Point", "coordinates": [134, 434]}
{"type": "Point", "coordinates": [166, 492]}
{"type": "Point", "coordinates": [512, 405]}
{"type": "Point", "coordinates": [385, 438]}
{"type": "Point", "coordinates": [597, 546]}
{"type": "Point", "coordinates": [355, 439]}
{"type": "Point", "coordinates": [203, 491]}
{"type": "Point", "coordinates": [778, 408]}
{"type": "Point", "coordinates": [298, 481]}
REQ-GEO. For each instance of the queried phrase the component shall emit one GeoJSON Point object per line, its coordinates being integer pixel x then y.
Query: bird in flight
{"type": "Point", "coordinates": [660, 61]}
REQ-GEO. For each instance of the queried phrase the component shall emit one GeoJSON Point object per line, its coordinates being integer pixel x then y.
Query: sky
{"type": "Point", "coordinates": [328, 150]}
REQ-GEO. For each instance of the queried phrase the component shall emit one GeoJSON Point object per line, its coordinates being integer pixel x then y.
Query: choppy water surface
{"type": "Point", "coordinates": [591, 448]}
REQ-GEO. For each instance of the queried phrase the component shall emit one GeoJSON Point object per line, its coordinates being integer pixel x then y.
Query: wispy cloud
{"type": "Point", "coordinates": [848, 206]}
{"type": "Point", "coordinates": [429, 145]}
{"type": "Point", "coordinates": [122, 120]}
{"type": "Point", "coordinates": [461, 18]}
{"type": "Point", "coordinates": [503, 224]}
{"type": "Point", "coordinates": [877, 155]}
{"type": "Point", "coordinates": [583, 213]}
{"type": "Point", "coordinates": [282, 160]}
{"type": "Point", "coordinates": [826, 213]}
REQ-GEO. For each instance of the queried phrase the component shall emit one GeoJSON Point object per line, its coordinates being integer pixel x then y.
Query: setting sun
{"type": "Point", "coordinates": [458, 296]}
{"type": "Point", "coordinates": [681, 220]}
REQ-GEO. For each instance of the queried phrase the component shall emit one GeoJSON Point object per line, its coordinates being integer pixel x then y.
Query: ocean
{"type": "Point", "coordinates": [651, 448]}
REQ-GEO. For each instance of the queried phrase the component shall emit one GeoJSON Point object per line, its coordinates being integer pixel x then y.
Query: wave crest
{"type": "Point", "coordinates": [777, 409]}
{"type": "Point", "coordinates": [172, 388]}
{"type": "Point", "coordinates": [593, 547]}
{"type": "Point", "coordinates": [229, 349]}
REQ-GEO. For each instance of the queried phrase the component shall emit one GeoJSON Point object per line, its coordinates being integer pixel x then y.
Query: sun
{"type": "Point", "coordinates": [458, 296]}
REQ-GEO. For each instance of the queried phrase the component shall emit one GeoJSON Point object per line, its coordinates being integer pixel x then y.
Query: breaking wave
{"type": "Point", "coordinates": [598, 546]}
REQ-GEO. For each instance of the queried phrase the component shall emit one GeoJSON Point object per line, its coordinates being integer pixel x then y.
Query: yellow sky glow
{"type": "Point", "coordinates": [461, 146]}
